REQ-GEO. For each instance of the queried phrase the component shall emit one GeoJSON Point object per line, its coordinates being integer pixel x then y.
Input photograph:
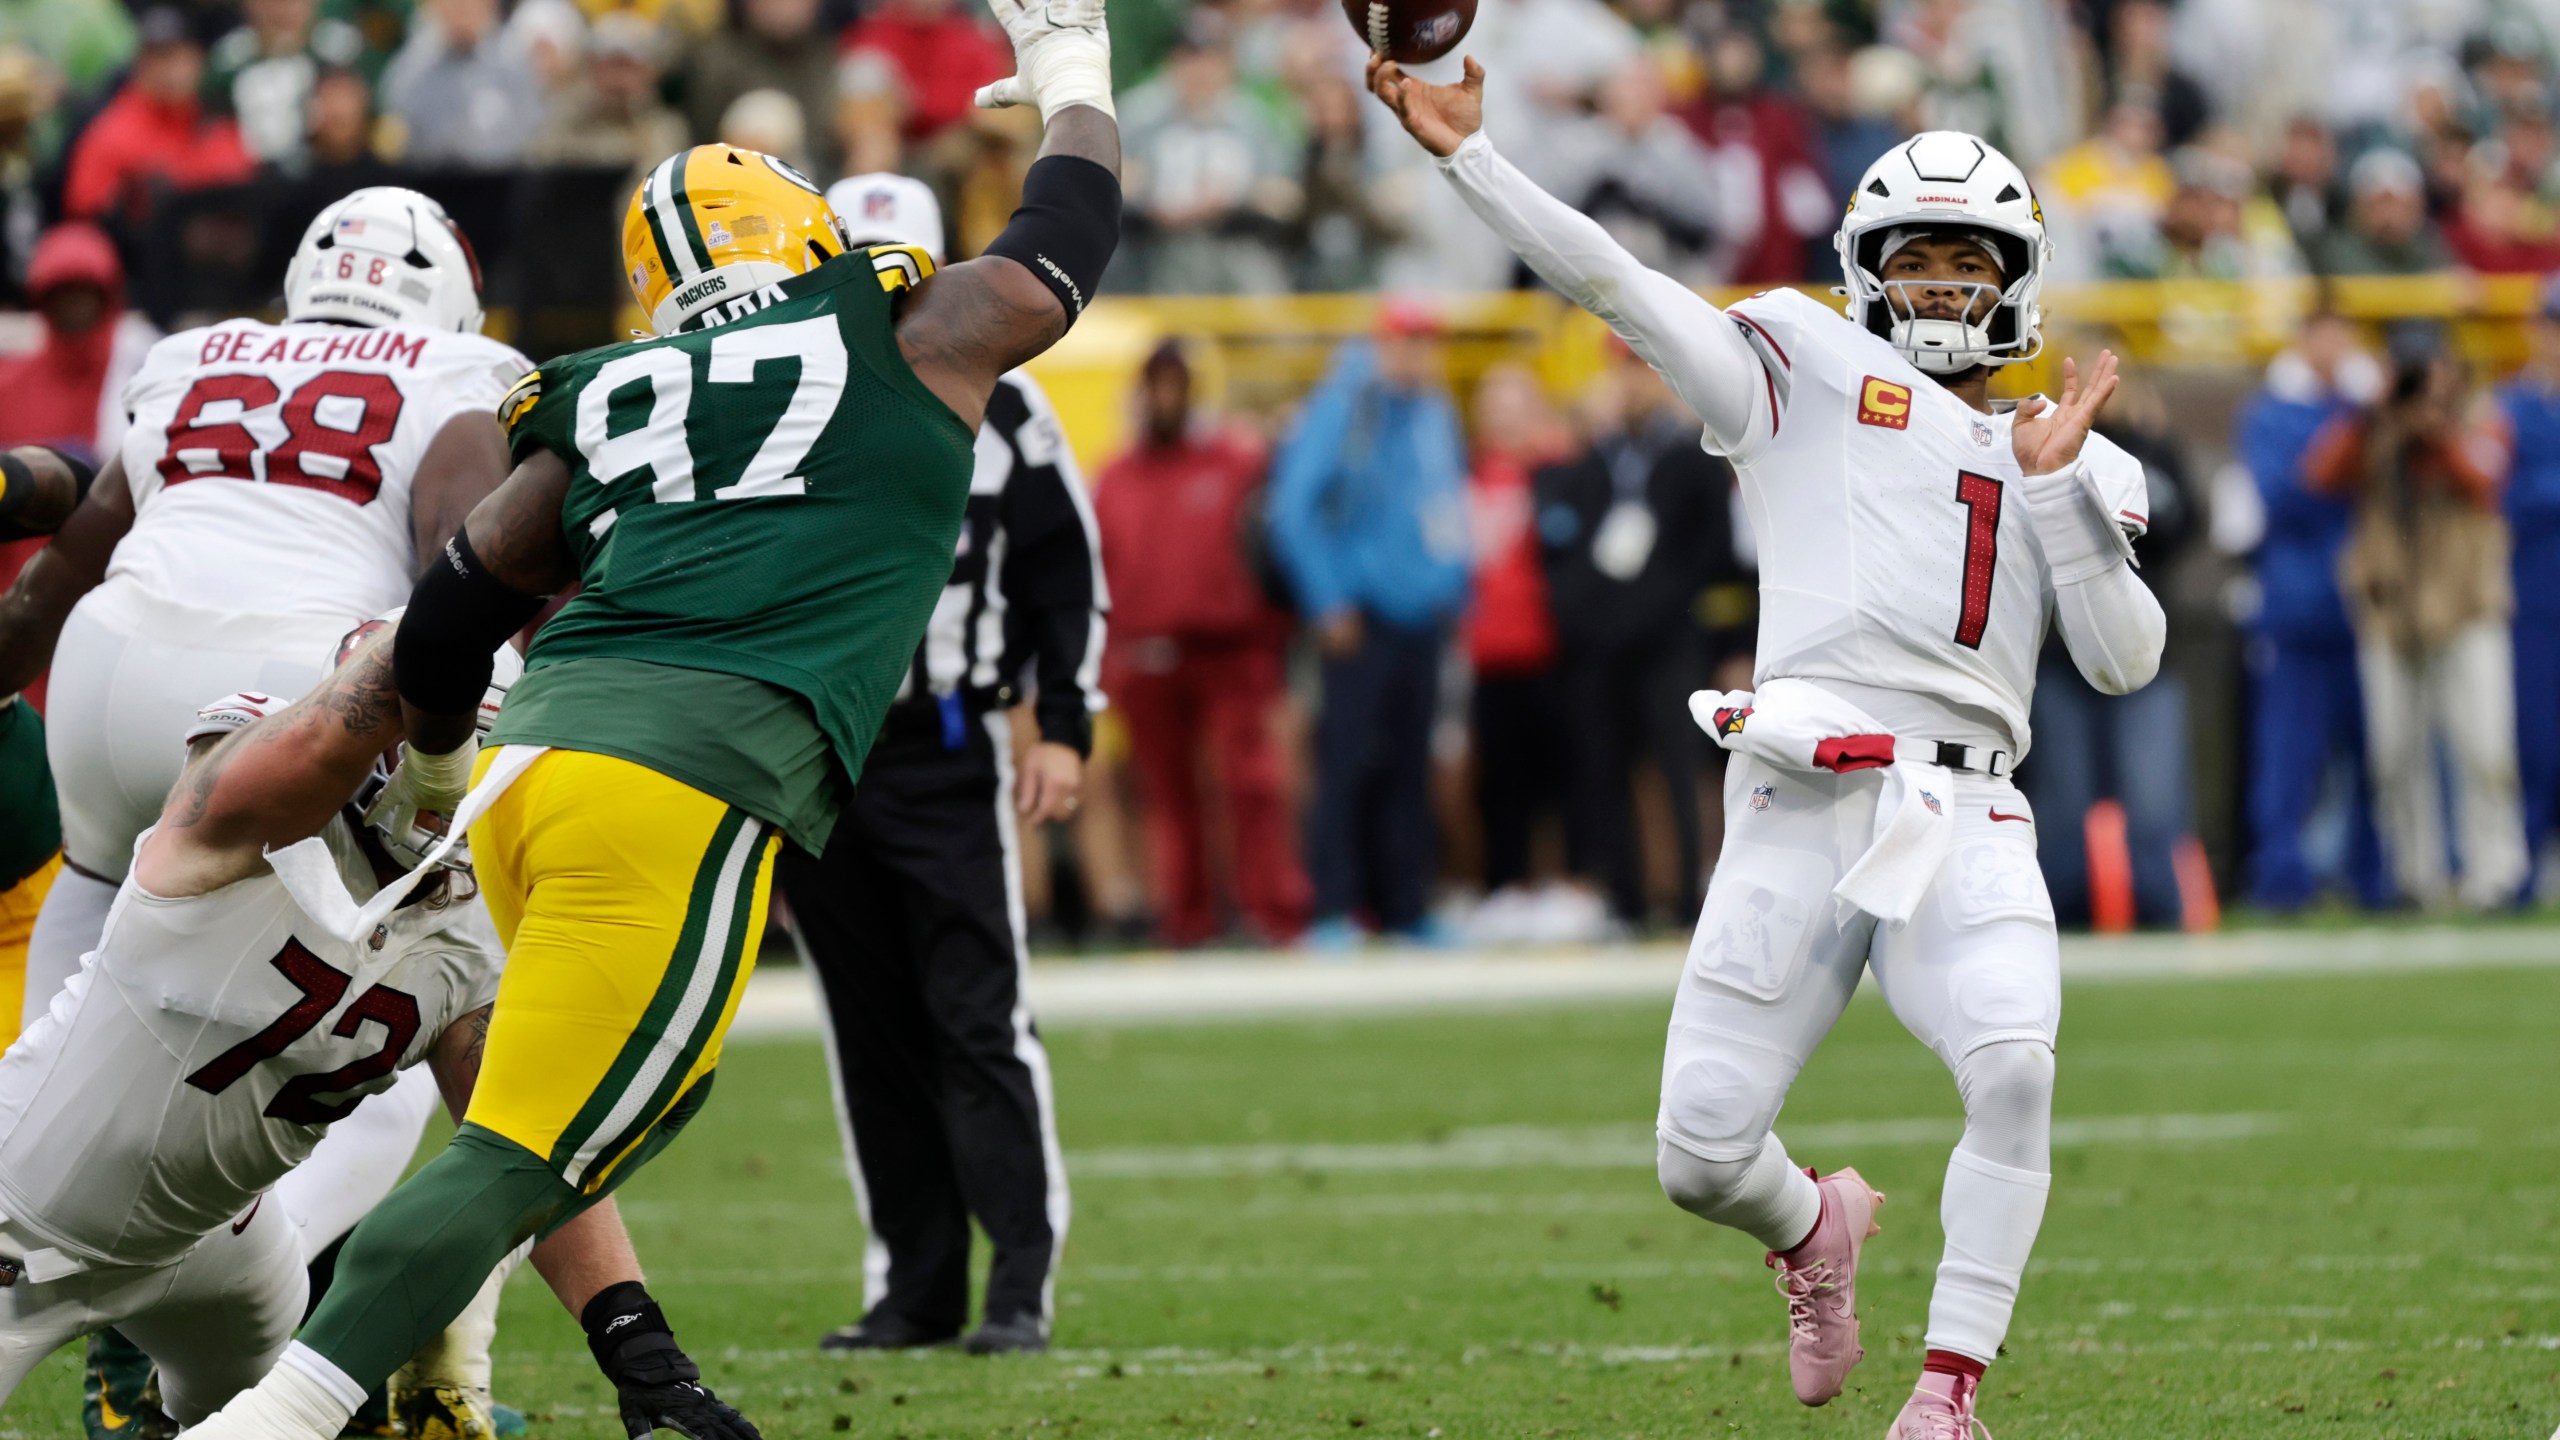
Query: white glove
{"type": "Point", "coordinates": [1061, 56]}
{"type": "Point", "coordinates": [434, 784]}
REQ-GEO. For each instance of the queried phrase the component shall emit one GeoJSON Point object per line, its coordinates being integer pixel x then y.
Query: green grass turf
{"type": "Point", "coordinates": [2352, 1235]}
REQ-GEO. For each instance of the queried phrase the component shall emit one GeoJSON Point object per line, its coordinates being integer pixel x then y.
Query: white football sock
{"type": "Point", "coordinates": [1765, 1196]}
{"type": "Point", "coordinates": [304, 1398]}
{"type": "Point", "coordinates": [1991, 1214]}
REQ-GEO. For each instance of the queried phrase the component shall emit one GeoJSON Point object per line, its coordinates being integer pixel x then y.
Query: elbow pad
{"type": "Point", "coordinates": [458, 616]}
{"type": "Point", "coordinates": [1066, 227]}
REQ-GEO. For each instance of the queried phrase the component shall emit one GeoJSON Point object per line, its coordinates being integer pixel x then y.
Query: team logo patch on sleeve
{"type": "Point", "coordinates": [1730, 719]}
{"type": "Point", "coordinates": [1883, 403]}
{"type": "Point", "coordinates": [519, 400]}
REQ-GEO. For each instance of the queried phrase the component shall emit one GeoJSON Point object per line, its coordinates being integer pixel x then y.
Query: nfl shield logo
{"type": "Point", "coordinates": [1760, 796]}
{"type": "Point", "coordinates": [1932, 802]}
{"type": "Point", "coordinates": [1981, 433]}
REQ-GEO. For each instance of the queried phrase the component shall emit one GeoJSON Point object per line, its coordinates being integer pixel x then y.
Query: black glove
{"type": "Point", "coordinates": [656, 1384]}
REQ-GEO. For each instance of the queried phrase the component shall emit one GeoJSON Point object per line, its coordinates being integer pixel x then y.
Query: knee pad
{"type": "Point", "coordinates": [2007, 1088]}
{"type": "Point", "coordinates": [1721, 1095]}
{"type": "Point", "coordinates": [1701, 1187]}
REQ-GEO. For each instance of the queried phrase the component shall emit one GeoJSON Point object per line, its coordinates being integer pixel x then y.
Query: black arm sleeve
{"type": "Point", "coordinates": [458, 616]}
{"type": "Point", "coordinates": [1053, 567]}
{"type": "Point", "coordinates": [1066, 227]}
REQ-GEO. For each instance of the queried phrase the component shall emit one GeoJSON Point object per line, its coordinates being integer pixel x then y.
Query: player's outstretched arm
{"type": "Point", "coordinates": [41, 494]}
{"type": "Point", "coordinates": [974, 321]}
{"type": "Point", "coordinates": [487, 581]}
{"type": "Point", "coordinates": [1674, 329]}
{"type": "Point", "coordinates": [274, 782]}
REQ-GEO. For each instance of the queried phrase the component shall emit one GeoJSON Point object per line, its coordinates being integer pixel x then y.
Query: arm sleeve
{"type": "Point", "coordinates": [1696, 347]}
{"type": "Point", "coordinates": [1054, 573]}
{"type": "Point", "coordinates": [2111, 623]}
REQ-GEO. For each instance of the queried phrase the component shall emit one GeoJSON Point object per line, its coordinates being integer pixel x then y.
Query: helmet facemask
{"type": "Point", "coordinates": [1986, 328]}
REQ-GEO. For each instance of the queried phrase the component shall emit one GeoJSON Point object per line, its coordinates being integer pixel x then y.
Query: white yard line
{"type": "Point", "coordinates": [1156, 989]}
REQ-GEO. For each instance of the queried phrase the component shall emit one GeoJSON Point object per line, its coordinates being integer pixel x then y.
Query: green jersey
{"type": "Point", "coordinates": [763, 513]}
{"type": "Point", "coordinates": [34, 830]}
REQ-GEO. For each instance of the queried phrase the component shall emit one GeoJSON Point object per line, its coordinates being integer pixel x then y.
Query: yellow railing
{"type": "Point", "coordinates": [1257, 354]}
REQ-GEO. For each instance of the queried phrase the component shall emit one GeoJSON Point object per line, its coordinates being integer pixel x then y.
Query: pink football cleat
{"type": "Point", "coordinates": [1820, 1280]}
{"type": "Point", "coordinates": [1940, 1409]}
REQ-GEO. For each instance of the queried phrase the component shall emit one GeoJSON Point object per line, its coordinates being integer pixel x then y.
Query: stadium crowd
{"type": "Point", "coordinates": [1369, 649]}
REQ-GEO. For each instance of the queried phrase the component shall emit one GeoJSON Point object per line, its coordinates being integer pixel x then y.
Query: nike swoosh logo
{"type": "Point", "coordinates": [243, 1222]}
{"type": "Point", "coordinates": [2024, 820]}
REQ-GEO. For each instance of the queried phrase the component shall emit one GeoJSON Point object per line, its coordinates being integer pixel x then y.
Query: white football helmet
{"type": "Point", "coordinates": [409, 844]}
{"type": "Point", "coordinates": [1947, 180]}
{"type": "Point", "coordinates": [385, 256]}
{"type": "Point", "coordinates": [886, 208]}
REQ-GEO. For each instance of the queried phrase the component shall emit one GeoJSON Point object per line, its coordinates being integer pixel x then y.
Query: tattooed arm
{"type": "Point", "coordinates": [275, 781]}
{"type": "Point", "coordinates": [456, 1060]}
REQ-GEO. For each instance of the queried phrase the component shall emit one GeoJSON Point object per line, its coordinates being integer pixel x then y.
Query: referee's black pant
{"type": "Point", "coordinates": [912, 922]}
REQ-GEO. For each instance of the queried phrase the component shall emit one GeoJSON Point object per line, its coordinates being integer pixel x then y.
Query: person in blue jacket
{"type": "Point", "coordinates": [2306, 706]}
{"type": "Point", "coordinates": [2532, 403]}
{"type": "Point", "coordinates": [1368, 520]}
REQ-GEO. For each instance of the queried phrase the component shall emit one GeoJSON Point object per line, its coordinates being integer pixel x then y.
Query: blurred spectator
{"type": "Point", "coordinates": [26, 101]}
{"type": "Point", "coordinates": [2505, 222]}
{"type": "Point", "coordinates": [1511, 644]}
{"type": "Point", "coordinates": [262, 72]}
{"type": "Point", "coordinates": [769, 121]}
{"type": "Point", "coordinates": [2138, 63]}
{"type": "Point", "coordinates": [339, 151]}
{"type": "Point", "coordinates": [1368, 518]}
{"type": "Point", "coordinates": [1344, 219]}
{"type": "Point", "coordinates": [611, 114]}
{"type": "Point", "coordinates": [155, 130]}
{"type": "Point", "coordinates": [2128, 748]}
{"type": "Point", "coordinates": [2306, 183]}
{"type": "Point", "coordinates": [681, 19]}
{"type": "Point", "coordinates": [463, 96]}
{"type": "Point", "coordinates": [1647, 179]}
{"type": "Point", "coordinates": [1195, 666]}
{"type": "Point", "coordinates": [1853, 125]}
{"type": "Point", "coordinates": [66, 392]}
{"type": "Point", "coordinates": [2306, 704]}
{"type": "Point", "coordinates": [2105, 196]}
{"type": "Point", "coordinates": [85, 41]}
{"type": "Point", "coordinates": [2203, 231]}
{"type": "Point", "coordinates": [1629, 529]}
{"type": "Point", "coordinates": [2426, 577]}
{"type": "Point", "coordinates": [772, 45]}
{"type": "Point", "coordinates": [2532, 403]}
{"type": "Point", "coordinates": [550, 36]}
{"type": "Point", "coordinates": [2387, 231]}
{"type": "Point", "coordinates": [1202, 173]}
{"type": "Point", "coordinates": [934, 53]}
{"type": "Point", "coordinates": [1773, 182]}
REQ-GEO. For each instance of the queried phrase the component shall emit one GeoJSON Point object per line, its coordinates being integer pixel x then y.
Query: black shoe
{"type": "Point", "coordinates": [879, 1331]}
{"type": "Point", "coordinates": [1021, 1335]}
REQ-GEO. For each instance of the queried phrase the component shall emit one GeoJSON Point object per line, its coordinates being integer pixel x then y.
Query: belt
{"type": "Point", "coordinates": [1965, 759]}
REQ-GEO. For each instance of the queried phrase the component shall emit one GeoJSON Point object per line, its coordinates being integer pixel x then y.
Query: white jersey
{"type": "Point", "coordinates": [271, 464]}
{"type": "Point", "coordinates": [206, 1048]}
{"type": "Point", "coordinates": [1896, 551]}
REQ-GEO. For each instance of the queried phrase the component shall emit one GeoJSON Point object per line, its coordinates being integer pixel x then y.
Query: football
{"type": "Point", "coordinates": [1411, 31]}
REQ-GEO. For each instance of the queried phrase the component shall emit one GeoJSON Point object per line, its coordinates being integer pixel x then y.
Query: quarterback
{"type": "Point", "coordinates": [759, 505]}
{"type": "Point", "coordinates": [241, 1001]}
{"type": "Point", "coordinates": [1913, 540]}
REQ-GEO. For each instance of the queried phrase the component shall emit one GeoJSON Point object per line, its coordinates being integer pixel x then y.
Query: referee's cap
{"type": "Point", "coordinates": [883, 208]}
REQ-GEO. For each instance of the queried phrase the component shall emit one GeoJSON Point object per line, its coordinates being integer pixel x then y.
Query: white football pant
{"type": "Point", "coordinates": [2464, 691]}
{"type": "Point", "coordinates": [214, 1322]}
{"type": "Point", "coordinates": [1975, 975]}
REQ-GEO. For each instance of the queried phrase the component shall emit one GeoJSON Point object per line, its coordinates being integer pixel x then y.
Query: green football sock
{"type": "Point", "coordinates": [413, 1263]}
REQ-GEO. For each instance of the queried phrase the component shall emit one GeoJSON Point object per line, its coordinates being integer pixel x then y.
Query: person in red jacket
{"type": "Point", "coordinates": [940, 54]}
{"type": "Point", "coordinates": [155, 129]}
{"type": "Point", "coordinates": [1195, 662]}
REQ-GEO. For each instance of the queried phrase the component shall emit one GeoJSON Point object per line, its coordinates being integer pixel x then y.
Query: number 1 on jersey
{"type": "Point", "coordinates": [1980, 496]}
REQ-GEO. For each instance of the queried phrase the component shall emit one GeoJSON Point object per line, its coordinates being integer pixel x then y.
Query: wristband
{"type": "Point", "coordinates": [631, 1340]}
{"type": "Point", "coordinates": [435, 776]}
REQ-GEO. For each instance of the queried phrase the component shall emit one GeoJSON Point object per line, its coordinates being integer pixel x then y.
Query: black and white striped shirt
{"type": "Point", "coordinates": [1023, 610]}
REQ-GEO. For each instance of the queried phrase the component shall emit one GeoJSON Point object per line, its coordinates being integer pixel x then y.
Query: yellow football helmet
{"type": "Point", "coordinates": [716, 222]}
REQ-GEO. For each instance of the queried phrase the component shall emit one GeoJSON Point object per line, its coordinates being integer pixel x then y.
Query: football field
{"type": "Point", "coordinates": [2284, 1204]}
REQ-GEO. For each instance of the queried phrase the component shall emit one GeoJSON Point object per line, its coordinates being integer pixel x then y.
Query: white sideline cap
{"type": "Point", "coordinates": [883, 208]}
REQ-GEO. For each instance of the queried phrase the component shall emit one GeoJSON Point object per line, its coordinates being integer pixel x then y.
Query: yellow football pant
{"type": "Point", "coordinates": [630, 905]}
{"type": "Point", "coordinates": [18, 906]}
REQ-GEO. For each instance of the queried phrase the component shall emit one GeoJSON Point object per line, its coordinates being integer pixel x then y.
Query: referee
{"type": "Point", "coordinates": [912, 921]}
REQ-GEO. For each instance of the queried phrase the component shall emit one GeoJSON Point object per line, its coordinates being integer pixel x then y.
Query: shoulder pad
{"type": "Point", "coordinates": [900, 267]}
